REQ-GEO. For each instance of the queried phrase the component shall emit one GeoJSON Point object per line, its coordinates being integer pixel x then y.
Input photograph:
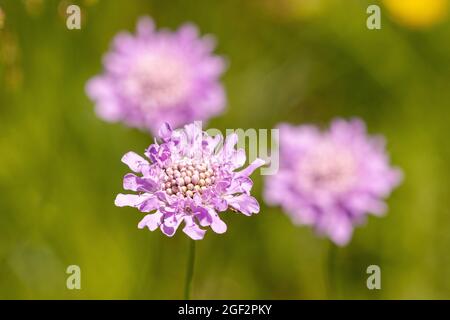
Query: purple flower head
{"type": "Point", "coordinates": [331, 180]}
{"type": "Point", "coordinates": [155, 77]}
{"type": "Point", "coordinates": [189, 178]}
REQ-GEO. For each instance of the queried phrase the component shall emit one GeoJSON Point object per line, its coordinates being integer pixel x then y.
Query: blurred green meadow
{"type": "Point", "coordinates": [300, 61]}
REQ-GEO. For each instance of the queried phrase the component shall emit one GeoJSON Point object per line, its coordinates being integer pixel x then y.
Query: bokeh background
{"type": "Point", "coordinates": [302, 61]}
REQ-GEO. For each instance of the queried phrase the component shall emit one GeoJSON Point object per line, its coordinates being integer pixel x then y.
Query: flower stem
{"type": "Point", "coordinates": [189, 270]}
{"type": "Point", "coordinates": [331, 270]}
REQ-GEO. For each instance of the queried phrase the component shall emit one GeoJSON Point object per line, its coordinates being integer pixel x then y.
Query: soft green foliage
{"type": "Point", "coordinates": [60, 165]}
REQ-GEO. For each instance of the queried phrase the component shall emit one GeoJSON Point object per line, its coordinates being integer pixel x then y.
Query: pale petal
{"type": "Point", "coordinates": [145, 202]}
{"type": "Point", "coordinates": [151, 221]}
{"type": "Point", "coordinates": [252, 167]}
{"type": "Point", "coordinates": [132, 200]}
{"type": "Point", "coordinates": [245, 204]}
{"type": "Point", "coordinates": [134, 161]}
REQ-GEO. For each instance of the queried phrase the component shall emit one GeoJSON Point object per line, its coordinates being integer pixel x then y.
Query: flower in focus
{"type": "Point", "coordinates": [189, 180]}
{"type": "Point", "coordinates": [159, 76]}
{"type": "Point", "coordinates": [417, 13]}
{"type": "Point", "coordinates": [331, 180]}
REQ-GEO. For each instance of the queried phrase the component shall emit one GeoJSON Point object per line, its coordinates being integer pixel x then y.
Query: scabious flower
{"type": "Point", "coordinates": [155, 77]}
{"type": "Point", "coordinates": [189, 179]}
{"type": "Point", "coordinates": [331, 180]}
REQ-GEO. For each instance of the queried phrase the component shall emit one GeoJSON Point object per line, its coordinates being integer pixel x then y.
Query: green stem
{"type": "Point", "coordinates": [331, 270]}
{"type": "Point", "coordinates": [189, 270]}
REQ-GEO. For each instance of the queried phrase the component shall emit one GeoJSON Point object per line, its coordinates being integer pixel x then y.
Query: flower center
{"type": "Point", "coordinates": [187, 178]}
{"type": "Point", "coordinates": [328, 167]}
{"type": "Point", "coordinates": [157, 80]}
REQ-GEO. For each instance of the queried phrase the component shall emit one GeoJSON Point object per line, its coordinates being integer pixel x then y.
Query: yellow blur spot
{"type": "Point", "coordinates": [417, 13]}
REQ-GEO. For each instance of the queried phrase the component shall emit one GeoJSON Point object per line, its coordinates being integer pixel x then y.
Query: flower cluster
{"type": "Point", "coordinates": [189, 178]}
{"type": "Point", "coordinates": [159, 76]}
{"type": "Point", "coordinates": [331, 180]}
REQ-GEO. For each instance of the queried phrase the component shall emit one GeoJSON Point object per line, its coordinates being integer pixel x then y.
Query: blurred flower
{"type": "Point", "coordinates": [188, 181]}
{"type": "Point", "coordinates": [9, 48]}
{"type": "Point", "coordinates": [13, 78]}
{"type": "Point", "coordinates": [156, 77]}
{"type": "Point", "coordinates": [331, 180]}
{"type": "Point", "coordinates": [417, 13]}
{"type": "Point", "coordinates": [90, 2]}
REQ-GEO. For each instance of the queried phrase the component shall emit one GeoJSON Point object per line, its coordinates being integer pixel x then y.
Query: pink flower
{"type": "Point", "coordinates": [155, 77]}
{"type": "Point", "coordinates": [331, 180]}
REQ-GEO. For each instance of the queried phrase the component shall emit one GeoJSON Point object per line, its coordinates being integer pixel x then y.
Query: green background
{"type": "Point", "coordinates": [60, 165]}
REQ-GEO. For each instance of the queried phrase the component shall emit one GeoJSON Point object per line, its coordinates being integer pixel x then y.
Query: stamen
{"type": "Point", "coordinates": [188, 178]}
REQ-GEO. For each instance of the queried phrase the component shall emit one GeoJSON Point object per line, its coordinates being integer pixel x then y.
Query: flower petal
{"type": "Point", "coordinates": [212, 142]}
{"type": "Point", "coordinates": [238, 158]}
{"type": "Point", "coordinates": [220, 204]}
{"type": "Point", "coordinates": [217, 225]}
{"type": "Point", "coordinates": [145, 202]}
{"type": "Point", "coordinates": [240, 185]}
{"type": "Point", "coordinates": [134, 161]}
{"type": "Point", "coordinates": [165, 132]}
{"type": "Point", "coordinates": [151, 221]}
{"type": "Point", "coordinates": [228, 147]}
{"type": "Point", "coordinates": [149, 204]}
{"type": "Point", "coordinates": [158, 153]}
{"type": "Point", "coordinates": [252, 167]}
{"type": "Point", "coordinates": [340, 229]}
{"type": "Point", "coordinates": [245, 204]}
{"type": "Point", "coordinates": [132, 200]}
{"type": "Point", "coordinates": [170, 230]}
{"type": "Point", "coordinates": [145, 27]}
